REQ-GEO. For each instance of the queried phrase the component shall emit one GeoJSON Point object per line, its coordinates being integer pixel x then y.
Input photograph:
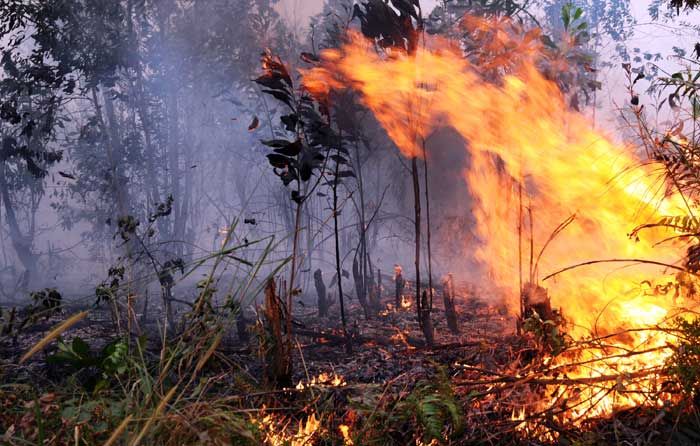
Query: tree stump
{"type": "Point", "coordinates": [400, 284]}
{"type": "Point", "coordinates": [321, 292]}
{"type": "Point", "coordinates": [426, 322]}
{"type": "Point", "coordinates": [536, 300]}
{"type": "Point", "coordinates": [448, 298]}
{"type": "Point", "coordinates": [276, 347]}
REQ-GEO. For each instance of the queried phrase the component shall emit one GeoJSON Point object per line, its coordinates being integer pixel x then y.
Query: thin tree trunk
{"type": "Point", "coordinates": [362, 290]}
{"type": "Point", "coordinates": [520, 257]}
{"type": "Point", "coordinates": [338, 271]}
{"type": "Point", "coordinates": [292, 275]}
{"type": "Point", "coordinates": [357, 278]}
{"type": "Point", "coordinates": [416, 208]}
{"type": "Point", "coordinates": [428, 325]}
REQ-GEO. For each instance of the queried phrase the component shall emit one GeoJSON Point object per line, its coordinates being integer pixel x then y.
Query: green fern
{"type": "Point", "coordinates": [433, 407]}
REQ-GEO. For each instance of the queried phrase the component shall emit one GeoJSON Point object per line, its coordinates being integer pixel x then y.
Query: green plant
{"type": "Point", "coordinates": [684, 364]}
{"type": "Point", "coordinates": [432, 407]}
{"type": "Point", "coordinates": [110, 361]}
{"type": "Point", "coordinates": [548, 333]}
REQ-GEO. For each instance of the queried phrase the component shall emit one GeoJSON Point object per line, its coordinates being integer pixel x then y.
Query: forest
{"type": "Point", "coordinates": [349, 222]}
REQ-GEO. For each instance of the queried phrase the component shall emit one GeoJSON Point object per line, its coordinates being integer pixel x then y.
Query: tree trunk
{"type": "Point", "coordinates": [426, 321]}
{"type": "Point", "coordinates": [292, 275]}
{"type": "Point", "coordinates": [400, 284]}
{"type": "Point", "coordinates": [416, 208]}
{"type": "Point", "coordinates": [359, 287]}
{"type": "Point", "coordinates": [276, 355]}
{"type": "Point", "coordinates": [242, 327]}
{"type": "Point", "coordinates": [422, 304]}
{"type": "Point", "coordinates": [427, 309]}
{"type": "Point", "coordinates": [448, 296]}
{"type": "Point", "coordinates": [321, 292]}
{"type": "Point", "coordinates": [338, 269]}
{"type": "Point", "coordinates": [20, 243]}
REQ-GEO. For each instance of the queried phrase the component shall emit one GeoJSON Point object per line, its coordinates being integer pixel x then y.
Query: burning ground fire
{"type": "Point", "coordinates": [307, 431]}
{"type": "Point", "coordinates": [323, 380]}
{"type": "Point", "coordinates": [524, 140]}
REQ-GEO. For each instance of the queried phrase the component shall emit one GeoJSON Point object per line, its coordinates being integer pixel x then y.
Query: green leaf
{"type": "Point", "coordinates": [566, 15]}
{"type": "Point", "coordinates": [81, 348]}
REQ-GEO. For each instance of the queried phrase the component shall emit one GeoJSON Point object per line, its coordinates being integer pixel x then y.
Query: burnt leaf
{"type": "Point", "coordinates": [276, 143]}
{"type": "Point", "coordinates": [290, 122]}
{"type": "Point", "coordinates": [310, 160]}
{"type": "Point", "coordinates": [162, 209]}
{"type": "Point", "coordinates": [272, 82]}
{"type": "Point", "coordinates": [287, 175]}
{"type": "Point", "coordinates": [346, 174]}
{"type": "Point", "coordinates": [290, 149]}
{"type": "Point", "coordinates": [278, 161]}
{"type": "Point", "coordinates": [339, 159]}
{"type": "Point", "coordinates": [673, 100]}
{"type": "Point", "coordinates": [255, 123]}
{"type": "Point", "coordinates": [274, 68]}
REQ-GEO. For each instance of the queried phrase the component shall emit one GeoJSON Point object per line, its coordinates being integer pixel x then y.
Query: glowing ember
{"type": "Point", "coordinates": [521, 134]}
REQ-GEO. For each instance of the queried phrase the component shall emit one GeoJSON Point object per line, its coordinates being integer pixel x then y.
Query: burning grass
{"type": "Point", "coordinates": [483, 387]}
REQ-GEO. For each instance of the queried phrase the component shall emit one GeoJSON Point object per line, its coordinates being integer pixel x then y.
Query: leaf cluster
{"type": "Point", "coordinates": [684, 364]}
{"type": "Point", "coordinates": [391, 23]}
{"type": "Point", "coordinates": [314, 142]}
{"type": "Point", "coordinates": [78, 355]}
{"type": "Point", "coordinates": [433, 408]}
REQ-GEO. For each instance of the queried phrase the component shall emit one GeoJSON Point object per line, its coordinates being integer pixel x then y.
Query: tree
{"type": "Point", "coordinates": [40, 70]}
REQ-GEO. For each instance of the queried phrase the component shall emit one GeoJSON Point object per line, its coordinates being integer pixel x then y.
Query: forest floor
{"type": "Point", "coordinates": [391, 389]}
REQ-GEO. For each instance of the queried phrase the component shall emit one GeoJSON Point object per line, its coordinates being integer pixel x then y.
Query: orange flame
{"type": "Point", "coordinates": [521, 135]}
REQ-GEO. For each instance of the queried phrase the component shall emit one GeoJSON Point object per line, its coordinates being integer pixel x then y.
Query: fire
{"type": "Point", "coordinates": [345, 432]}
{"type": "Point", "coordinates": [323, 380]}
{"type": "Point", "coordinates": [524, 141]}
{"type": "Point", "coordinates": [306, 435]}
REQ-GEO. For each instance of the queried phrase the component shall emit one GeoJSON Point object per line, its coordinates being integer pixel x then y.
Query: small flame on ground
{"type": "Point", "coordinates": [345, 432]}
{"type": "Point", "coordinates": [277, 435]}
{"type": "Point", "coordinates": [323, 380]}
